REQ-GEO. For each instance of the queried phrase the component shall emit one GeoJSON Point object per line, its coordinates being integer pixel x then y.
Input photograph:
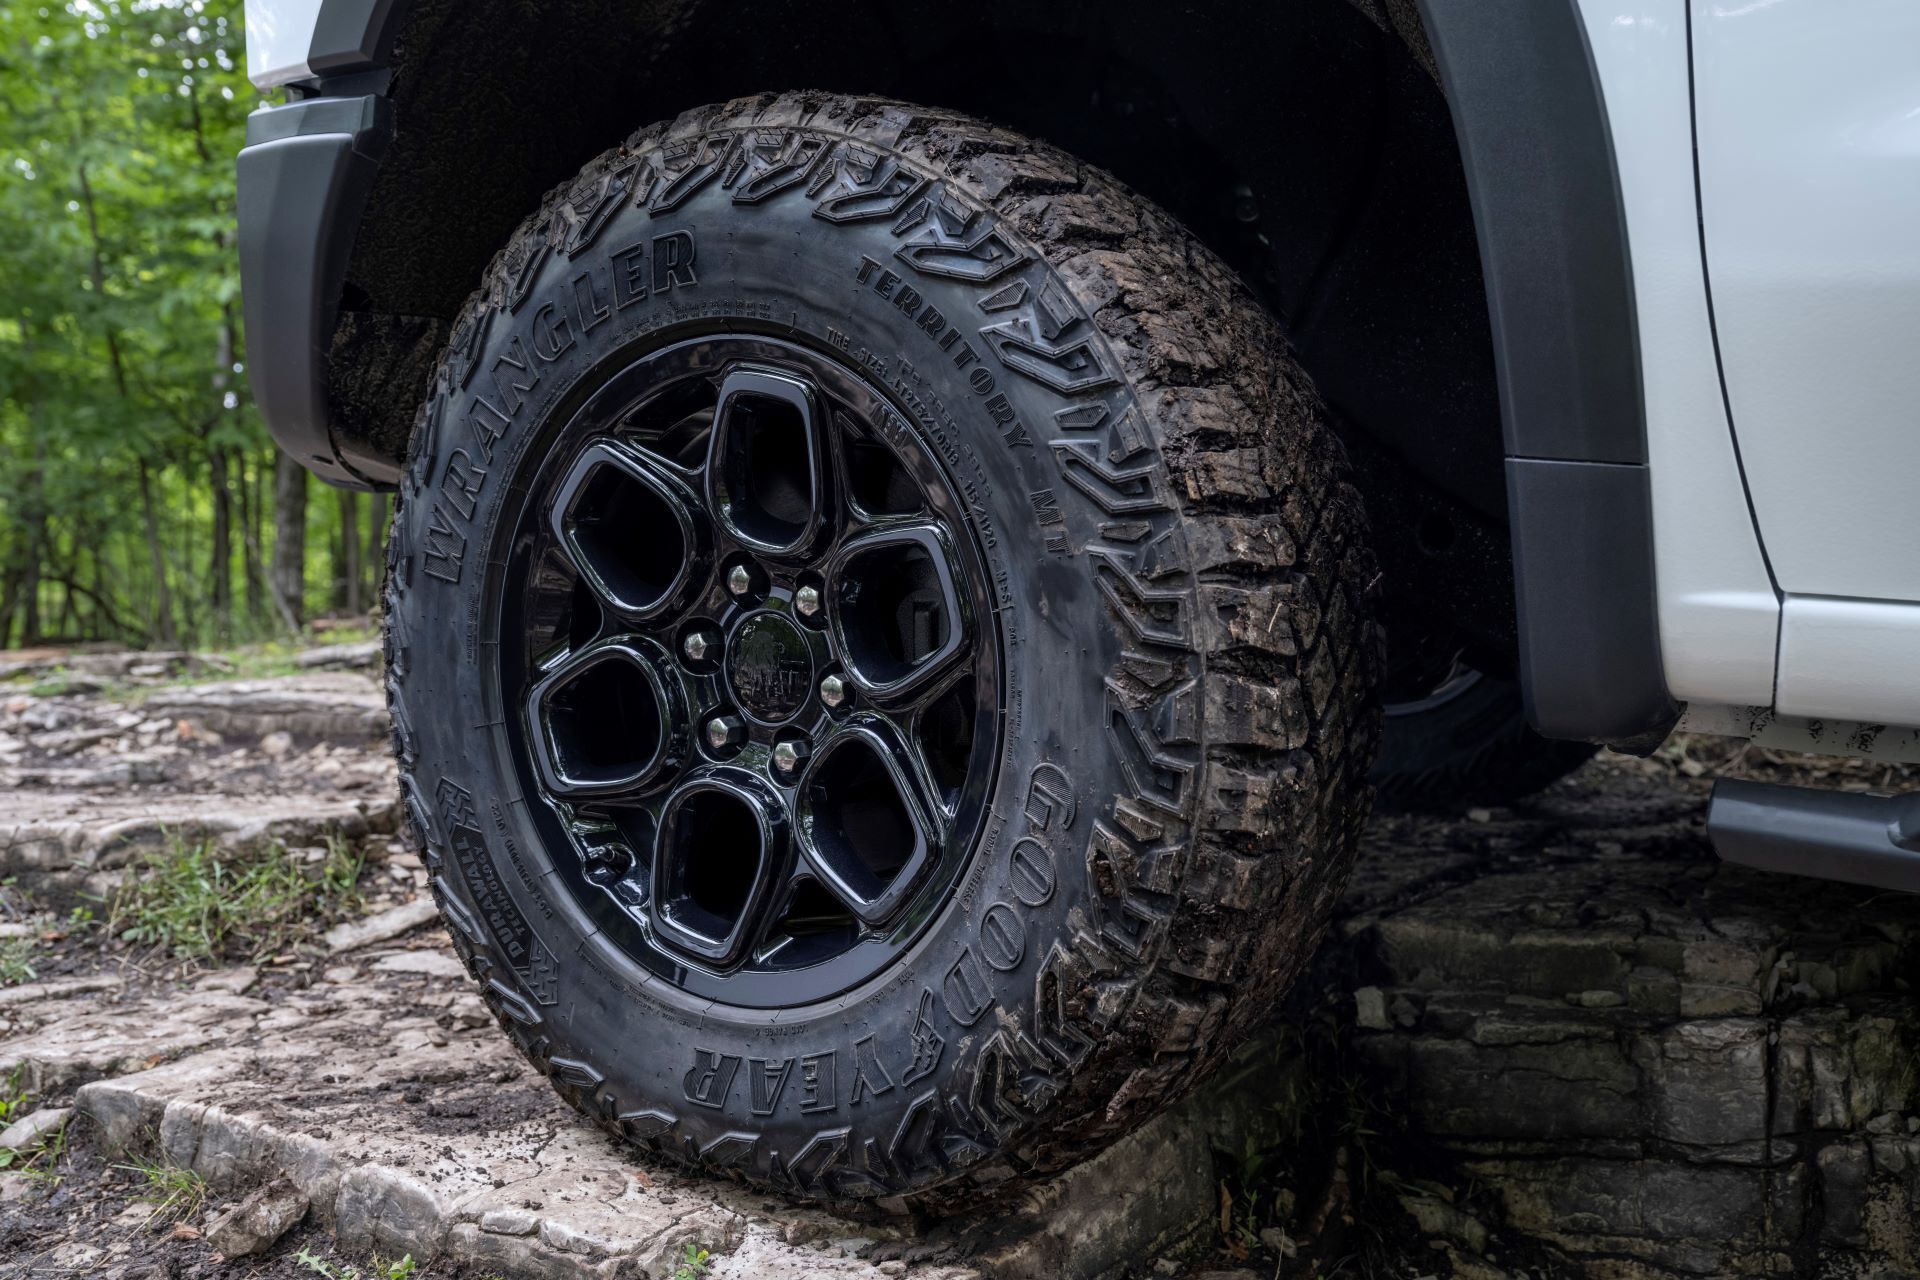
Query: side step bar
{"type": "Point", "coordinates": [1830, 835]}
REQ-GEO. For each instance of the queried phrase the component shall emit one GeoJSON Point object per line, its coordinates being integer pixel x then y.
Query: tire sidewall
{"type": "Point", "coordinates": [945, 1059]}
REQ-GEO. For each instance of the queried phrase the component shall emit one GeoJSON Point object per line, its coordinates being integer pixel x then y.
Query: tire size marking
{"type": "Point", "coordinates": [467, 848]}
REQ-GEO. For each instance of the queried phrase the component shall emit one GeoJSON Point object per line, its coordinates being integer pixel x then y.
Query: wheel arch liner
{"type": "Point", "coordinates": [1533, 137]}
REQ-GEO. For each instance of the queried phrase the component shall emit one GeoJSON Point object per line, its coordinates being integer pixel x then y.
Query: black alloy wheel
{"type": "Point", "coordinates": [759, 688]}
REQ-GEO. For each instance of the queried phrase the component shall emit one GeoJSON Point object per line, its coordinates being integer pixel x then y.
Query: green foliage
{"type": "Point", "coordinates": [56, 686]}
{"type": "Point", "coordinates": [321, 1267]}
{"type": "Point", "coordinates": [693, 1263]}
{"type": "Point", "coordinates": [16, 961]}
{"type": "Point", "coordinates": [39, 1162]}
{"type": "Point", "coordinates": [15, 1102]}
{"type": "Point", "coordinates": [173, 1193]}
{"type": "Point", "coordinates": [197, 900]}
{"type": "Point", "coordinates": [126, 427]}
{"type": "Point", "coordinates": [404, 1269]}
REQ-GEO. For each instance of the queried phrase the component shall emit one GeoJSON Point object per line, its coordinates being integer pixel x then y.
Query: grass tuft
{"type": "Point", "coordinates": [16, 961]}
{"type": "Point", "coordinates": [39, 1161]}
{"type": "Point", "coordinates": [174, 1194]}
{"type": "Point", "coordinates": [199, 901]}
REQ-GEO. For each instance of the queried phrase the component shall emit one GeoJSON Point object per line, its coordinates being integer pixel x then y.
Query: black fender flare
{"type": "Point", "coordinates": [301, 186]}
{"type": "Point", "coordinates": [1531, 122]}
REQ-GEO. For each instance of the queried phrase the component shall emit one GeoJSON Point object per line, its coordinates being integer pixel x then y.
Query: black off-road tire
{"type": "Point", "coordinates": [1180, 595]}
{"type": "Point", "coordinates": [1468, 746]}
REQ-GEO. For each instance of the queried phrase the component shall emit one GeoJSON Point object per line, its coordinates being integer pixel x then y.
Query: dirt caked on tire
{"type": "Point", "coordinates": [878, 648]}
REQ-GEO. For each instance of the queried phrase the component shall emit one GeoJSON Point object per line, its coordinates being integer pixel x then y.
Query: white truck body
{"type": "Point", "coordinates": [1778, 290]}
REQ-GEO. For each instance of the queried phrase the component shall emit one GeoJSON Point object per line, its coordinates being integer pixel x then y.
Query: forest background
{"type": "Point", "coordinates": [141, 499]}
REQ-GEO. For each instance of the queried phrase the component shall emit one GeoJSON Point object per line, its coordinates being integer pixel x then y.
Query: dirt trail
{"type": "Point", "coordinates": [1558, 1039]}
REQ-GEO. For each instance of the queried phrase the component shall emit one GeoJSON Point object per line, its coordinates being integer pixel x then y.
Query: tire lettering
{"type": "Point", "coordinates": [927, 1043]}
{"type": "Point", "coordinates": [552, 332]}
{"type": "Point", "coordinates": [965, 991]}
{"type": "Point", "coordinates": [444, 547]}
{"type": "Point", "coordinates": [467, 850]}
{"type": "Point", "coordinates": [710, 1078]}
{"type": "Point", "coordinates": [1002, 939]}
{"type": "Point", "coordinates": [766, 1080]}
{"type": "Point", "coordinates": [869, 1076]}
{"type": "Point", "coordinates": [817, 1089]}
{"type": "Point", "coordinates": [1030, 868]}
{"type": "Point", "coordinates": [673, 261]}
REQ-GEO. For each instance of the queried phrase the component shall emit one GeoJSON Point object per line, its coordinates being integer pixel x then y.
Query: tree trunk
{"type": "Point", "coordinates": [9, 600]}
{"type": "Point", "coordinates": [33, 514]}
{"type": "Point", "coordinates": [221, 554]}
{"type": "Point", "coordinates": [185, 591]}
{"type": "Point", "coordinates": [96, 564]}
{"type": "Point", "coordinates": [163, 632]}
{"type": "Point", "coordinates": [249, 535]}
{"type": "Point", "coordinates": [290, 539]}
{"type": "Point", "coordinates": [30, 588]}
{"type": "Point", "coordinates": [63, 576]}
{"type": "Point", "coordinates": [376, 545]}
{"type": "Point", "coordinates": [351, 574]}
{"type": "Point", "coordinates": [220, 558]}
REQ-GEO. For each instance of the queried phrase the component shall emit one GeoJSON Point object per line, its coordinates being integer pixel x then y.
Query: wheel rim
{"type": "Point", "coordinates": [1458, 679]}
{"type": "Point", "coordinates": [752, 669]}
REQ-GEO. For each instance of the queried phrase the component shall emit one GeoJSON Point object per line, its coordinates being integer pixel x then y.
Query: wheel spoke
{"type": "Point", "coordinates": [899, 614]}
{"type": "Point", "coordinates": [630, 530]}
{"type": "Point", "coordinates": [877, 485]}
{"type": "Point", "coordinates": [864, 824]}
{"type": "Point", "coordinates": [766, 465]}
{"type": "Point", "coordinates": [942, 729]}
{"type": "Point", "coordinates": [607, 721]}
{"type": "Point", "coordinates": [805, 921]}
{"type": "Point", "coordinates": [719, 850]}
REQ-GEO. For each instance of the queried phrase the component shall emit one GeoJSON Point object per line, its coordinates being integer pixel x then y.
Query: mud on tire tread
{"type": "Point", "coordinates": [1269, 664]}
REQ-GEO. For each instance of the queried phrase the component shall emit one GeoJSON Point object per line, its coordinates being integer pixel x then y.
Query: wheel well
{"type": "Point", "coordinates": [1308, 144]}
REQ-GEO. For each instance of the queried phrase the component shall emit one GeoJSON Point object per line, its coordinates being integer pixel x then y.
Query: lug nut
{"type": "Point", "coordinates": [807, 601]}
{"type": "Point", "coordinates": [833, 691]}
{"type": "Point", "coordinates": [609, 860]}
{"type": "Point", "coordinates": [740, 580]}
{"type": "Point", "coordinates": [724, 732]}
{"type": "Point", "coordinates": [788, 756]}
{"type": "Point", "coordinates": [698, 645]}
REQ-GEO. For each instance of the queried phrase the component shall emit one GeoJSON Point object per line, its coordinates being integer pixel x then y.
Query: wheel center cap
{"type": "Point", "coordinates": [770, 666]}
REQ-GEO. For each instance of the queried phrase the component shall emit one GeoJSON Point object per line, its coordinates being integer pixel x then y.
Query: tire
{"type": "Point", "coordinates": [1467, 743]}
{"type": "Point", "coordinates": [1169, 603]}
